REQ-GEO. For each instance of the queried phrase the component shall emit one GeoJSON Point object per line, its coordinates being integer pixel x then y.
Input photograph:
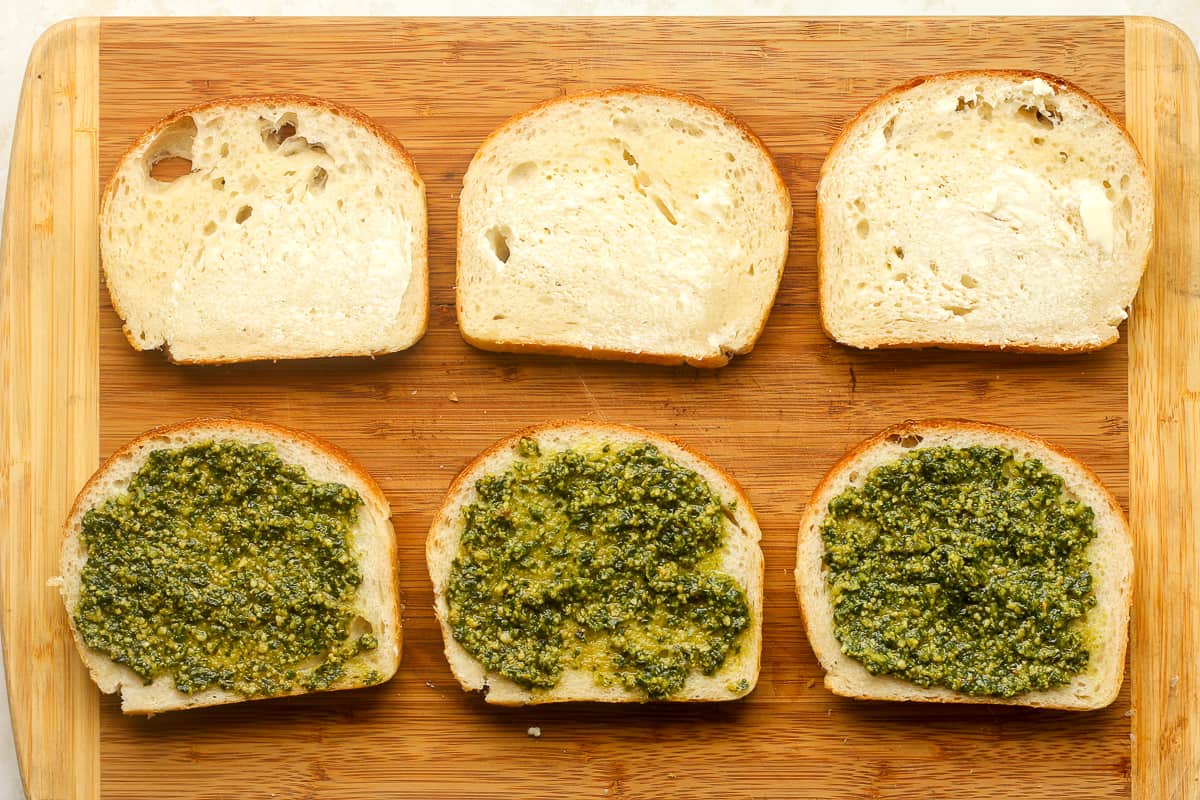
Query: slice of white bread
{"type": "Point", "coordinates": [632, 224]}
{"type": "Point", "coordinates": [376, 602]}
{"type": "Point", "coordinates": [1110, 556]}
{"type": "Point", "coordinates": [740, 558]}
{"type": "Point", "coordinates": [300, 231]}
{"type": "Point", "coordinates": [982, 210]}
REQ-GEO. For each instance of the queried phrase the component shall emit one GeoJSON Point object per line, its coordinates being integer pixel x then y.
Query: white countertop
{"type": "Point", "coordinates": [24, 21]}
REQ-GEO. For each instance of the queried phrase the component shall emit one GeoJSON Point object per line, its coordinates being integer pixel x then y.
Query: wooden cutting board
{"type": "Point", "coordinates": [73, 391]}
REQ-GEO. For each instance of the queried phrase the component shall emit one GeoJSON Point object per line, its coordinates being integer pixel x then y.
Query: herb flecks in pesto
{"type": "Point", "coordinates": [222, 566]}
{"type": "Point", "coordinates": [962, 568]}
{"type": "Point", "coordinates": [601, 559]}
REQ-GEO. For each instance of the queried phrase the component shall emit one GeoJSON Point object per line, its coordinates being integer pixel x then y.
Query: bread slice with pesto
{"type": "Point", "coordinates": [221, 560]}
{"type": "Point", "coordinates": [297, 230]}
{"type": "Point", "coordinates": [583, 561]}
{"type": "Point", "coordinates": [962, 586]}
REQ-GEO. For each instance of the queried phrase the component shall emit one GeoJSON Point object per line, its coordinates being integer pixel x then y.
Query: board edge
{"type": "Point", "coordinates": [49, 430]}
{"type": "Point", "coordinates": [1162, 91]}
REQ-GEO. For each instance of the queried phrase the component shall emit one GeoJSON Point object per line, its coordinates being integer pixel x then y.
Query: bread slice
{"type": "Point", "coordinates": [632, 224]}
{"type": "Point", "coordinates": [982, 210]}
{"type": "Point", "coordinates": [298, 232]}
{"type": "Point", "coordinates": [739, 557]}
{"type": "Point", "coordinates": [373, 540]}
{"type": "Point", "coordinates": [1110, 556]}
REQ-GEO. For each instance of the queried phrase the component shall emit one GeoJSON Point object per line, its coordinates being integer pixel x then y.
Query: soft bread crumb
{"type": "Point", "coordinates": [982, 209]}
{"type": "Point", "coordinates": [535, 732]}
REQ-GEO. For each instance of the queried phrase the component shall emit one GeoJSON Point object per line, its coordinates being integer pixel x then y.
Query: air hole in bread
{"type": "Point", "coordinates": [499, 316]}
{"type": "Point", "coordinates": [317, 180]}
{"type": "Point", "coordinates": [662, 209]}
{"type": "Point", "coordinates": [958, 311]}
{"type": "Point", "coordinates": [975, 104]}
{"type": "Point", "coordinates": [522, 172]}
{"type": "Point", "coordinates": [1039, 140]}
{"type": "Point", "coordinates": [899, 251]}
{"type": "Point", "coordinates": [170, 169]}
{"type": "Point", "coordinates": [908, 440]}
{"type": "Point", "coordinates": [629, 158]}
{"type": "Point", "coordinates": [498, 240]}
{"type": "Point", "coordinates": [243, 214]}
{"type": "Point", "coordinates": [219, 184]}
{"type": "Point", "coordinates": [224, 149]}
{"type": "Point", "coordinates": [1042, 119]}
{"type": "Point", "coordinates": [889, 128]}
{"type": "Point", "coordinates": [853, 476]}
{"type": "Point", "coordinates": [210, 228]}
{"type": "Point", "coordinates": [359, 626]}
{"type": "Point", "coordinates": [169, 156]}
{"type": "Point", "coordinates": [863, 227]}
{"type": "Point", "coordinates": [685, 127]}
{"type": "Point", "coordinates": [284, 128]}
{"type": "Point", "coordinates": [968, 281]}
{"type": "Point", "coordinates": [945, 134]}
{"type": "Point", "coordinates": [730, 157]}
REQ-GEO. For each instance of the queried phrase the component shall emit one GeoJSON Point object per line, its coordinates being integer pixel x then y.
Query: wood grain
{"type": "Point", "coordinates": [775, 419]}
{"type": "Point", "coordinates": [1163, 74]}
{"type": "Point", "coordinates": [49, 383]}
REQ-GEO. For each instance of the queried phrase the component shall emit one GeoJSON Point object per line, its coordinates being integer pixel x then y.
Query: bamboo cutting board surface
{"type": "Point", "coordinates": [776, 419]}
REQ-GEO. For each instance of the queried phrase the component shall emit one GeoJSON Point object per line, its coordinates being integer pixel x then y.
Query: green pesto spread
{"type": "Point", "coordinates": [603, 559]}
{"type": "Point", "coordinates": [222, 566]}
{"type": "Point", "coordinates": [962, 568]}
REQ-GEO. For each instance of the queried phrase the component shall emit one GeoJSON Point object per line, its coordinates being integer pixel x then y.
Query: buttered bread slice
{"type": "Point", "coordinates": [297, 229]}
{"type": "Point", "coordinates": [630, 224]}
{"type": "Point", "coordinates": [982, 210]}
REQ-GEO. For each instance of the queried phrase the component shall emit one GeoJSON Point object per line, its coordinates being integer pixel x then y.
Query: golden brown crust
{"type": "Point", "coordinates": [225, 425]}
{"type": "Point", "coordinates": [605, 354]}
{"type": "Point", "coordinates": [595, 353]}
{"type": "Point", "coordinates": [473, 468]}
{"type": "Point", "coordinates": [813, 511]}
{"type": "Point", "coordinates": [1060, 84]}
{"type": "Point", "coordinates": [421, 275]}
